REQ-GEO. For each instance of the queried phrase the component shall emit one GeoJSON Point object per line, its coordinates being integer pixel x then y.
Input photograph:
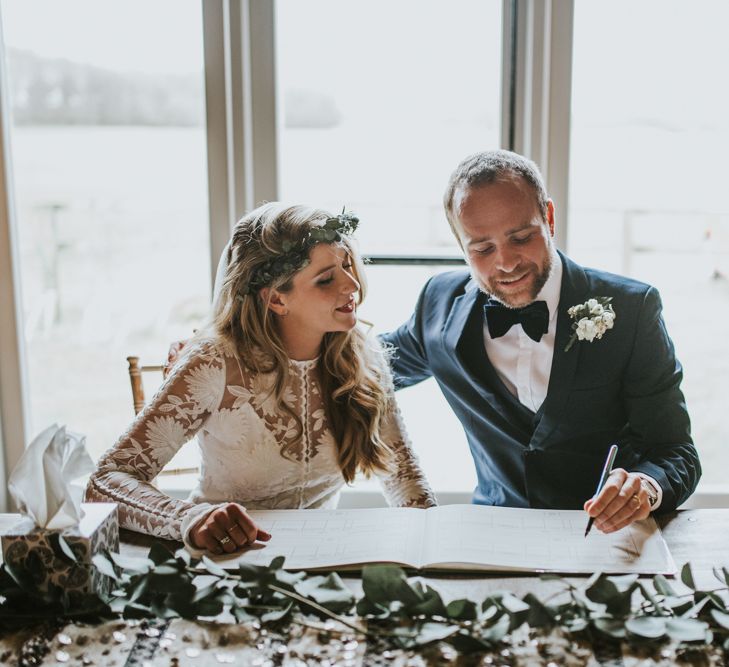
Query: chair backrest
{"type": "Point", "coordinates": [135, 377]}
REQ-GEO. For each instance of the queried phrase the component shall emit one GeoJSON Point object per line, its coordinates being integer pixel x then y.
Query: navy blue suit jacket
{"type": "Point", "coordinates": [622, 389]}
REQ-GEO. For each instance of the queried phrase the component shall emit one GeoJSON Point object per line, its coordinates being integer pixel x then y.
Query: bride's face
{"type": "Point", "coordinates": [324, 294]}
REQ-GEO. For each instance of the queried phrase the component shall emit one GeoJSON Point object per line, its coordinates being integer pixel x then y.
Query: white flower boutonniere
{"type": "Point", "coordinates": [591, 319]}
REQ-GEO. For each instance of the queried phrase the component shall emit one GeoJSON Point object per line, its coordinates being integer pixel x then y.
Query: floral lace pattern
{"type": "Point", "coordinates": [250, 450]}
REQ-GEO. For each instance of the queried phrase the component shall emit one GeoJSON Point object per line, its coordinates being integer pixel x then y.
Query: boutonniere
{"type": "Point", "coordinates": [591, 319]}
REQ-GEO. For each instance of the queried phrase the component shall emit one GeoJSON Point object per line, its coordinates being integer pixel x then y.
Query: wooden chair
{"type": "Point", "coordinates": [135, 377]}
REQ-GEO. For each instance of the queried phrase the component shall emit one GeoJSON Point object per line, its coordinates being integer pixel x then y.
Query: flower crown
{"type": "Point", "coordinates": [296, 254]}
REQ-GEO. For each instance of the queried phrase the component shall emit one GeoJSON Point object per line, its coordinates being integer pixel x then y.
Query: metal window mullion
{"type": "Point", "coordinates": [414, 260]}
{"type": "Point", "coordinates": [508, 71]}
{"type": "Point", "coordinates": [263, 96]}
{"type": "Point", "coordinates": [539, 91]}
{"type": "Point", "coordinates": [242, 175]}
{"type": "Point", "coordinates": [560, 29]}
{"type": "Point", "coordinates": [14, 399]}
{"type": "Point", "coordinates": [242, 126]}
{"type": "Point", "coordinates": [218, 120]}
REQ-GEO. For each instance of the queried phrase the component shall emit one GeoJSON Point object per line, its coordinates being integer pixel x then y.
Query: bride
{"type": "Point", "coordinates": [287, 396]}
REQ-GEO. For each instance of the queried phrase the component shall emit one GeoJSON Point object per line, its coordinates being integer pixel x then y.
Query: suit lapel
{"type": "Point", "coordinates": [460, 329]}
{"type": "Point", "coordinates": [463, 339]}
{"type": "Point", "coordinates": [564, 364]}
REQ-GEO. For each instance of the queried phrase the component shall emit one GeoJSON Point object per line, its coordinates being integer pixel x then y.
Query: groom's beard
{"type": "Point", "coordinates": [538, 276]}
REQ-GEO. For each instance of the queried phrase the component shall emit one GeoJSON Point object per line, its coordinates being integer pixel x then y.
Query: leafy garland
{"type": "Point", "coordinates": [392, 610]}
{"type": "Point", "coordinates": [295, 256]}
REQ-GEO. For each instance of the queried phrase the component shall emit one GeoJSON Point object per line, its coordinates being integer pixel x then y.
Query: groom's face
{"type": "Point", "coordinates": [508, 244]}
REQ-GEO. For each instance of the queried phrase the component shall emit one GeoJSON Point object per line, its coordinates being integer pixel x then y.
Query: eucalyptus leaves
{"type": "Point", "coordinates": [403, 614]}
{"type": "Point", "coordinates": [295, 256]}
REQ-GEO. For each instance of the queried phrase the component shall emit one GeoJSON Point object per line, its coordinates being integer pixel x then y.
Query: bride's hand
{"type": "Point", "coordinates": [227, 529]}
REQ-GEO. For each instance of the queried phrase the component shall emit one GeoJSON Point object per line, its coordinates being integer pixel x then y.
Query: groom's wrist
{"type": "Point", "coordinates": [653, 489]}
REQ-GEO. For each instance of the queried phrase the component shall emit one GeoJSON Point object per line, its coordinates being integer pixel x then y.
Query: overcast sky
{"type": "Point", "coordinates": [662, 59]}
{"type": "Point", "coordinates": [128, 35]}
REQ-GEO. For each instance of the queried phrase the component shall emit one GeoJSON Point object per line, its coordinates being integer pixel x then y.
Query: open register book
{"type": "Point", "coordinates": [456, 537]}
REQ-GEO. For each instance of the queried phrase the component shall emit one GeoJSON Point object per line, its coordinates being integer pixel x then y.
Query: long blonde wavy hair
{"type": "Point", "coordinates": [353, 377]}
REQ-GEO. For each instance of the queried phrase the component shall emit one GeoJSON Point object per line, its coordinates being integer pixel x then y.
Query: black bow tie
{"type": "Point", "coordinates": [534, 319]}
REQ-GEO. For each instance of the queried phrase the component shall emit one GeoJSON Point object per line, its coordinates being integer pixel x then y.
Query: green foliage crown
{"type": "Point", "coordinates": [295, 255]}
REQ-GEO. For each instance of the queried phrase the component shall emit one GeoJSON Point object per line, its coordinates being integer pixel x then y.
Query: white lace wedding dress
{"type": "Point", "coordinates": [250, 452]}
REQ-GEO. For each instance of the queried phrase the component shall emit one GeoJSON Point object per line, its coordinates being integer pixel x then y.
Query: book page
{"type": "Point", "coordinates": [501, 538]}
{"type": "Point", "coordinates": [311, 539]}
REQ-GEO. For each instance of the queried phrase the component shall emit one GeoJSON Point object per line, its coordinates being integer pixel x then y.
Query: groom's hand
{"type": "Point", "coordinates": [621, 501]}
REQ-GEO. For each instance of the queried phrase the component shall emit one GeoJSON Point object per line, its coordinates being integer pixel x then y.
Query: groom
{"type": "Point", "coordinates": [539, 417]}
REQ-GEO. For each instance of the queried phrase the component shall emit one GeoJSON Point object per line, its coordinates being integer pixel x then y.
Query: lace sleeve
{"type": "Point", "coordinates": [406, 485]}
{"type": "Point", "coordinates": [124, 473]}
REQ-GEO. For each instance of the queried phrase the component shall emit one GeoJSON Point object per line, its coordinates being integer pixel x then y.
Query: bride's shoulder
{"type": "Point", "coordinates": [202, 350]}
{"type": "Point", "coordinates": [223, 352]}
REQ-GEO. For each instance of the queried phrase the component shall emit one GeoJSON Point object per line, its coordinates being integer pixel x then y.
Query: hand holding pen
{"type": "Point", "coordinates": [619, 500]}
{"type": "Point", "coordinates": [606, 470]}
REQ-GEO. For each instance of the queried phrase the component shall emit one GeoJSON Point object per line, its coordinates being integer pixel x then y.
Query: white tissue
{"type": "Point", "coordinates": [40, 483]}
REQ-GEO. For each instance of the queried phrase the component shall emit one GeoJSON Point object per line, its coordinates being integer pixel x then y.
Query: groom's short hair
{"type": "Point", "coordinates": [489, 167]}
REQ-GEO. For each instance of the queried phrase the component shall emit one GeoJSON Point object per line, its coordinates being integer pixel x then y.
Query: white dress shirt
{"type": "Point", "coordinates": [524, 366]}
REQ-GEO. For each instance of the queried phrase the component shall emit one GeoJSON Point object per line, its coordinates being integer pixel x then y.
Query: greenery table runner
{"type": "Point", "coordinates": [161, 607]}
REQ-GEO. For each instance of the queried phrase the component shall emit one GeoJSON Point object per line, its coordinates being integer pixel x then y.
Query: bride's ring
{"type": "Point", "coordinates": [635, 500]}
{"type": "Point", "coordinates": [224, 540]}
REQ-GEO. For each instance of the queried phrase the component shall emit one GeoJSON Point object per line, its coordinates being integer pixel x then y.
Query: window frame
{"type": "Point", "coordinates": [243, 153]}
{"type": "Point", "coordinates": [242, 112]}
{"type": "Point", "coordinates": [242, 125]}
{"type": "Point", "coordinates": [243, 109]}
{"type": "Point", "coordinates": [14, 398]}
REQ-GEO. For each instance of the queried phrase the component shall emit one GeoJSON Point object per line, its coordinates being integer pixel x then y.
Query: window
{"type": "Point", "coordinates": [108, 141]}
{"type": "Point", "coordinates": [378, 102]}
{"type": "Point", "coordinates": [381, 101]}
{"type": "Point", "coordinates": [650, 132]}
